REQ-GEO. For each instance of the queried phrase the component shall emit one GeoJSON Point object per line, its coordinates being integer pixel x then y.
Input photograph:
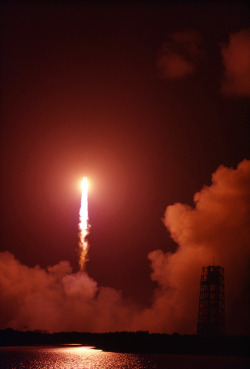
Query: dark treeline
{"type": "Point", "coordinates": [136, 342]}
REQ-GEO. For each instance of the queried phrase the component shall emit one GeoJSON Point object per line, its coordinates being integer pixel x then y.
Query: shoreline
{"type": "Point", "coordinates": [132, 342]}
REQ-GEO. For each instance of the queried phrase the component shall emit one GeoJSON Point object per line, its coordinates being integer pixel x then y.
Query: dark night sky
{"type": "Point", "coordinates": [82, 95]}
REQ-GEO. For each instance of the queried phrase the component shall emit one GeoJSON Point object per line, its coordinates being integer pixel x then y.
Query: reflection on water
{"type": "Point", "coordinates": [71, 357]}
{"type": "Point", "coordinates": [86, 357]}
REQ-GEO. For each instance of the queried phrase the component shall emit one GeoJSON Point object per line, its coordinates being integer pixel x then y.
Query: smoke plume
{"type": "Point", "coordinates": [178, 55]}
{"type": "Point", "coordinates": [236, 59]}
{"type": "Point", "coordinates": [56, 299]}
{"type": "Point", "coordinates": [217, 226]}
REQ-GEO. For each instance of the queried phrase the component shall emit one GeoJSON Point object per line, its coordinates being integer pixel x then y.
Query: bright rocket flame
{"type": "Point", "coordinates": [83, 224]}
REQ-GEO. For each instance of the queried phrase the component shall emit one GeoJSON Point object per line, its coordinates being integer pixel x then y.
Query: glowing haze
{"type": "Point", "coordinates": [83, 224]}
{"type": "Point", "coordinates": [157, 97]}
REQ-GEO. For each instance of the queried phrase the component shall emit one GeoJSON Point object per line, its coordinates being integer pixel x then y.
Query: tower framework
{"type": "Point", "coordinates": [211, 317]}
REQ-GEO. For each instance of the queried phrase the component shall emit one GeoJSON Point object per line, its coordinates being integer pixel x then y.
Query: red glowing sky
{"type": "Point", "coordinates": [143, 99]}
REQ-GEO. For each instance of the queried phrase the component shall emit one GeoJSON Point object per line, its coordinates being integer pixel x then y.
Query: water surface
{"type": "Point", "coordinates": [85, 357]}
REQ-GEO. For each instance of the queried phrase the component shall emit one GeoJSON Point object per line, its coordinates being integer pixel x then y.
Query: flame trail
{"type": "Point", "coordinates": [83, 225]}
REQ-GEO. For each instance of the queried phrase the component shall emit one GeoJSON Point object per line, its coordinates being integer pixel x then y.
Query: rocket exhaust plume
{"type": "Point", "coordinates": [83, 225]}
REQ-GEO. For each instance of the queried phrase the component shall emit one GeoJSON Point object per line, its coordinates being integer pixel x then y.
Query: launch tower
{"type": "Point", "coordinates": [211, 317]}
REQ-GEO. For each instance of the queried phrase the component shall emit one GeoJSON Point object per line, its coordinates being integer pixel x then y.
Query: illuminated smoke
{"type": "Point", "coordinates": [55, 299]}
{"type": "Point", "coordinates": [236, 60]}
{"type": "Point", "coordinates": [83, 225]}
{"type": "Point", "coordinates": [179, 55]}
{"type": "Point", "coordinates": [217, 225]}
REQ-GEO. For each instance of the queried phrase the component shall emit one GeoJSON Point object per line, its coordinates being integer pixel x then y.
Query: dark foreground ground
{"type": "Point", "coordinates": [133, 342]}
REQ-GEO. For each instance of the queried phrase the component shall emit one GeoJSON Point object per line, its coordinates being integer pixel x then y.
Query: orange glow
{"type": "Point", "coordinates": [83, 224]}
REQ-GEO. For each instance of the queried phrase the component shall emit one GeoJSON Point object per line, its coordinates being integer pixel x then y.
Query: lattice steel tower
{"type": "Point", "coordinates": [211, 317]}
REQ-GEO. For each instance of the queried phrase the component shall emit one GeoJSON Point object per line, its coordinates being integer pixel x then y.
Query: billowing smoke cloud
{"type": "Point", "coordinates": [179, 54]}
{"type": "Point", "coordinates": [57, 299]}
{"type": "Point", "coordinates": [218, 226]}
{"type": "Point", "coordinates": [236, 59]}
